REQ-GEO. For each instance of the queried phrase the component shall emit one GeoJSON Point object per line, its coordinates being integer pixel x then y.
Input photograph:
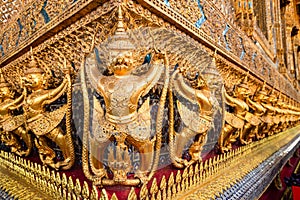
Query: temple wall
{"type": "Point", "coordinates": [167, 98]}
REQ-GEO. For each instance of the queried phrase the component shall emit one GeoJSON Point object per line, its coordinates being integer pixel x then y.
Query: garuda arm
{"type": "Point", "coordinates": [53, 94]}
{"type": "Point", "coordinates": [231, 101]}
{"type": "Point", "coordinates": [182, 88]}
{"type": "Point", "coordinates": [198, 96]}
{"type": "Point", "coordinates": [256, 107]}
{"type": "Point", "coordinates": [15, 104]}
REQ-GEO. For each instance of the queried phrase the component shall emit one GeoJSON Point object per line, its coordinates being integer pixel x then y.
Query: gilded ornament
{"type": "Point", "coordinates": [269, 118]}
{"type": "Point", "coordinates": [123, 120]}
{"type": "Point", "coordinates": [196, 123]}
{"type": "Point", "coordinates": [45, 124]}
{"type": "Point", "coordinates": [258, 111]}
{"type": "Point", "coordinates": [13, 126]}
{"type": "Point", "coordinates": [94, 194]}
{"type": "Point", "coordinates": [235, 121]}
{"type": "Point", "coordinates": [144, 192]}
{"type": "Point", "coordinates": [132, 194]}
{"type": "Point", "coordinates": [266, 114]}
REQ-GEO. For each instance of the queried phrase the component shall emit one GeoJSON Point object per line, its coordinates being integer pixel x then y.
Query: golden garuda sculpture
{"type": "Point", "coordinates": [150, 108]}
{"type": "Point", "coordinates": [285, 114]}
{"type": "Point", "coordinates": [121, 120]}
{"type": "Point", "coordinates": [258, 110]}
{"type": "Point", "coordinates": [128, 90]}
{"type": "Point", "coordinates": [196, 121]}
{"type": "Point", "coordinates": [292, 114]}
{"type": "Point", "coordinates": [253, 117]}
{"type": "Point", "coordinates": [12, 127]}
{"type": "Point", "coordinates": [235, 119]}
{"type": "Point", "coordinates": [45, 124]}
{"type": "Point", "coordinates": [270, 118]}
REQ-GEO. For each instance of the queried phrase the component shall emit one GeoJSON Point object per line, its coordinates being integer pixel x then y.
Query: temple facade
{"type": "Point", "coordinates": [149, 99]}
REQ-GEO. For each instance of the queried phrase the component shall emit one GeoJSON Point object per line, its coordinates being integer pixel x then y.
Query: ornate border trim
{"type": "Point", "coordinates": [216, 177]}
{"type": "Point", "coordinates": [74, 13]}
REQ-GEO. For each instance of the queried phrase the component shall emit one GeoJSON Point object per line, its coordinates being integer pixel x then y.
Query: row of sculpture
{"type": "Point", "coordinates": [122, 121]}
{"type": "Point", "coordinates": [132, 116]}
{"type": "Point", "coordinates": [255, 116]}
{"type": "Point", "coordinates": [26, 118]}
{"type": "Point", "coordinates": [126, 121]}
{"type": "Point", "coordinates": [136, 111]}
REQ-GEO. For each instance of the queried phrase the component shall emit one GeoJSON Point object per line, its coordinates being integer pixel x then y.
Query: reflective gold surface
{"type": "Point", "coordinates": [201, 181]}
{"type": "Point", "coordinates": [12, 126]}
{"type": "Point", "coordinates": [148, 76]}
{"type": "Point", "coordinates": [17, 187]}
{"type": "Point", "coordinates": [44, 124]}
{"type": "Point", "coordinates": [237, 166]}
{"type": "Point", "coordinates": [196, 123]}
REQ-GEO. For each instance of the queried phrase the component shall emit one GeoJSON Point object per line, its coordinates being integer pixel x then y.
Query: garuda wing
{"type": "Point", "coordinates": [193, 119]}
{"type": "Point", "coordinates": [101, 129]}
